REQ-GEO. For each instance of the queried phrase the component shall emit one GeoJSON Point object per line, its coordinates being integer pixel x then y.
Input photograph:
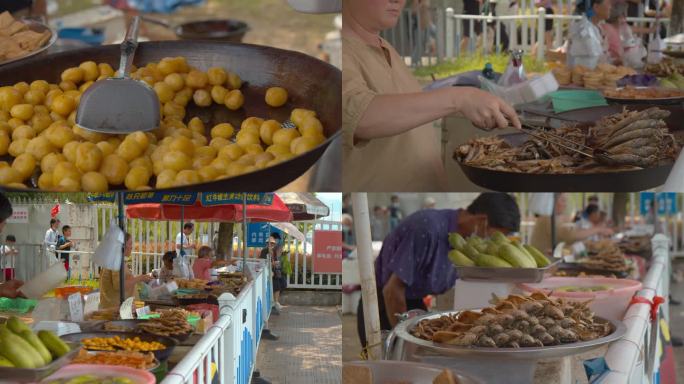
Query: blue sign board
{"type": "Point", "coordinates": [258, 233]}
{"type": "Point", "coordinates": [187, 198]}
{"type": "Point", "coordinates": [667, 203]}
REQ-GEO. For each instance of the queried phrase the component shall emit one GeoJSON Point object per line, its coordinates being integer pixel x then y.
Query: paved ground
{"type": "Point", "coordinates": [309, 350]}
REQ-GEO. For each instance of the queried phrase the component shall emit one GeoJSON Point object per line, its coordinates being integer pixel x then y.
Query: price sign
{"type": "Point", "coordinates": [92, 302]}
{"type": "Point", "coordinates": [75, 307]}
{"type": "Point", "coordinates": [144, 311]}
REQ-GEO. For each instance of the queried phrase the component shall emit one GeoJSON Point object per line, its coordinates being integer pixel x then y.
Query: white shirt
{"type": "Point", "coordinates": [51, 238]}
{"type": "Point", "coordinates": [181, 264]}
{"type": "Point", "coordinates": [6, 257]}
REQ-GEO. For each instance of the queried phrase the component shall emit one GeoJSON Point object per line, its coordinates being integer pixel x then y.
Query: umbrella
{"type": "Point", "coordinates": [277, 211]}
{"type": "Point", "coordinates": [304, 206]}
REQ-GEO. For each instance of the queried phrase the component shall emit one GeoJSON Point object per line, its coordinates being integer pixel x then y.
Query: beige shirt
{"type": "Point", "coordinates": [541, 234]}
{"type": "Point", "coordinates": [109, 288]}
{"type": "Point", "coordinates": [408, 162]}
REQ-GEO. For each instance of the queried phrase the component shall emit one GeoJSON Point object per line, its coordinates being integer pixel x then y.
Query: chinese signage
{"type": "Point", "coordinates": [327, 252]}
{"type": "Point", "coordinates": [20, 214]}
{"type": "Point", "coordinates": [187, 198]}
{"type": "Point", "coordinates": [666, 203]}
{"type": "Point", "coordinates": [258, 233]}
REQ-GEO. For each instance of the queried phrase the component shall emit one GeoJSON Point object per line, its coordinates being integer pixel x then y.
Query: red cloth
{"type": "Point", "coordinates": [9, 274]}
{"type": "Point", "coordinates": [201, 268]}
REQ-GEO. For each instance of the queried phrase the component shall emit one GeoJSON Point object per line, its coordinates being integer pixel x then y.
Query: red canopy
{"type": "Point", "coordinates": [276, 212]}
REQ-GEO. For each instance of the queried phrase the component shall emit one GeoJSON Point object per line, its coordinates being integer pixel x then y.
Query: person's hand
{"type": "Point", "coordinates": [145, 278]}
{"type": "Point", "coordinates": [9, 288]}
{"type": "Point", "coordinates": [485, 110]}
{"type": "Point", "coordinates": [605, 231]}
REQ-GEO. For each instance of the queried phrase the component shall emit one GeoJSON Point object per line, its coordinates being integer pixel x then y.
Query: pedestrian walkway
{"type": "Point", "coordinates": [309, 350]}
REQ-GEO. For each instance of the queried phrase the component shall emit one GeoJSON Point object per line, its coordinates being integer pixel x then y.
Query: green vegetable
{"type": "Point", "coordinates": [515, 257]}
{"type": "Point", "coordinates": [539, 257]}
{"type": "Point", "coordinates": [460, 259]}
{"type": "Point", "coordinates": [484, 260]}
{"type": "Point", "coordinates": [456, 241]}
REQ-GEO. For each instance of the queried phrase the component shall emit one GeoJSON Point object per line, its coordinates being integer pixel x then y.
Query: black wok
{"type": "Point", "coordinates": [226, 30]}
{"type": "Point", "coordinates": [622, 181]}
{"type": "Point", "coordinates": [311, 84]}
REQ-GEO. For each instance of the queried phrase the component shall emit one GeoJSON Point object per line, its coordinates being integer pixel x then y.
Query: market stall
{"type": "Point", "coordinates": [169, 325]}
{"type": "Point", "coordinates": [602, 304]}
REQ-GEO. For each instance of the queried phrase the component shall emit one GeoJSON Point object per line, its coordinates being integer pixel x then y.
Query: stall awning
{"type": "Point", "coordinates": [276, 211]}
{"type": "Point", "coordinates": [304, 206]}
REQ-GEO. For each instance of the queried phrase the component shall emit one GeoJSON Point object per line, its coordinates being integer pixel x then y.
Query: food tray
{"type": "Point", "coordinates": [39, 27]}
{"type": "Point", "coordinates": [655, 101]}
{"type": "Point", "coordinates": [25, 375]}
{"type": "Point", "coordinates": [151, 369]}
{"type": "Point", "coordinates": [675, 54]}
{"type": "Point", "coordinates": [138, 376]}
{"type": "Point", "coordinates": [385, 371]}
{"type": "Point", "coordinates": [579, 268]}
{"type": "Point", "coordinates": [125, 323]}
{"type": "Point", "coordinates": [505, 275]}
{"type": "Point", "coordinates": [618, 181]}
{"type": "Point", "coordinates": [162, 355]}
{"type": "Point", "coordinates": [527, 353]}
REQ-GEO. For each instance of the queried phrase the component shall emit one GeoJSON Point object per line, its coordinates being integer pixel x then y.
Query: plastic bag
{"type": "Point", "coordinates": [515, 71]}
{"type": "Point", "coordinates": [655, 49]}
{"type": "Point", "coordinates": [108, 254]}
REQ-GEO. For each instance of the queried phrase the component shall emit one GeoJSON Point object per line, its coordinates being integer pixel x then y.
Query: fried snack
{"type": "Point", "coordinates": [104, 314]}
{"type": "Point", "coordinates": [124, 358]}
{"type": "Point", "coordinates": [563, 75]}
{"type": "Point", "coordinates": [604, 75]}
{"type": "Point", "coordinates": [191, 284]}
{"type": "Point", "coordinates": [117, 328]}
{"type": "Point", "coordinates": [631, 139]}
{"type": "Point", "coordinates": [445, 377]}
{"type": "Point", "coordinates": [172, 322]}
{"type": "Point", "coordinates": [521, 321]}
{"type": "Point", "coordinates": [608, 257]}
{"type": "Point", "coordinates": [16, 40]}
{"type": "Point", "coordinates": [118, 343]}
{"type": "Point", "coordinates": [630, 92]}
{"type": "Point", "coordinates": [665, 68]}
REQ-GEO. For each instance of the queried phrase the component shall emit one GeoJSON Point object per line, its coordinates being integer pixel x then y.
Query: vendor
{"type": "Point", "coordinates": [587, 46]}
{"type": "Point", "coordinates": [389, 141]}
{"type": "Point", "coordinates": [566, 230]}
{"type": "Point", "coordinates": [20, 8]}
{"type": "Point", "coordinates": [206, 262]}
{"type": "Point", "coordinates": [413, 261]}
{"type": "Point", "coordinates": [109, 280]}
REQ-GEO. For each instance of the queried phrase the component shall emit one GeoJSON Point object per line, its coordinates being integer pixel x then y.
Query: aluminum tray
{"type": "Point", "coordinates": [35, 26]}
{"type": "Point", "coordinates": [385, 371]}
{"type": "Point", "coordinates": [25, 375]}
{"type": "Point", "coordinates": [528, 353]}
{"type": "Point", "coordinates": [505, 275]}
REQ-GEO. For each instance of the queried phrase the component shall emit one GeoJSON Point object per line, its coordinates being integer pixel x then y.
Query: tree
{"type": "Point", "coordinates": [677, 17]}
{"type": "Point", "coordinates": [225, 240]}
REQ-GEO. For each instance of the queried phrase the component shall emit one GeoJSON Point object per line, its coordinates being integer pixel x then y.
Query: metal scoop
{"type": "Point", "coordinates": [120, 104]}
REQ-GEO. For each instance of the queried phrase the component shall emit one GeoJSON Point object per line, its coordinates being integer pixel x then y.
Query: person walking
{"type": "Point", "coordinates": [64, 243]}
{"type": "Point", "coordinates": [274, 250]}
{"type": "Point", "coordinates": [50, 241]}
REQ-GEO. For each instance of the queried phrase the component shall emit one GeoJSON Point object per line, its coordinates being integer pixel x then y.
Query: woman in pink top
{"type": "Point", "coordinates": [611, 32]}
{"type": "Point", "coordinates": [205, 261]}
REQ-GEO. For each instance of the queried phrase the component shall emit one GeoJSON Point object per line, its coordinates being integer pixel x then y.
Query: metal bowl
{"type": "Point", "coordinates": [414, 344]}
{"type": "Point", "coordinates": [39, 27]}
{"type": "Point", "coordinates": [311, 83]}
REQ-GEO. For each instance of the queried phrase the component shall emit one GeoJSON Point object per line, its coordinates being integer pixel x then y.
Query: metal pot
{"type": "Point", "coordinates": [512, 365]}
{"type": "Point", "coordinates": [226, 30]}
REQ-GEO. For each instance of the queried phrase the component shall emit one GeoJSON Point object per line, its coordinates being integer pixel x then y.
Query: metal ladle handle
{"type": "Point", "coordinates": [128, 47]}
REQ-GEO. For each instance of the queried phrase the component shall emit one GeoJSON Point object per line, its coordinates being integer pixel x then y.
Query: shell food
{"type": "Point", "coordinates": [523, 321]}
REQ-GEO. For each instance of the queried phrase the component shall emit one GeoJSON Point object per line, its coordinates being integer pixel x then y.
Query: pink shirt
{"type": "Point", "coordinates": [612, 35]}
{"type": "Point", "coordinates": [201, 268]}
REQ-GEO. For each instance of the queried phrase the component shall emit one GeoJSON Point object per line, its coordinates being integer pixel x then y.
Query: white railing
{"type": "Point", "coordinates": [633, 359]}
{"type": "Point", "coordinates": [523, 30]}
{"type": "Point", "coordinates": [232, 342]}
{"type": "Point", "coordinates": [303, 275]}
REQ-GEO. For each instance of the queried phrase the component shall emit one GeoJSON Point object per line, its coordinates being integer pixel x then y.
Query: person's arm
{"type": "Point", "coordinates": [394, 293]}
{"type": "Point", "coordinates": [389, 115]}
{"type": "Point", "coordinates": [368, 115]}
{"type": "Point", "coordinates": [10, 288]}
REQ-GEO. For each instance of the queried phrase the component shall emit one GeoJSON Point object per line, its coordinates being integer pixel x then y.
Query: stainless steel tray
{"type": "Point", "coordinates": [39, 27]}
{"type": "Point", "coordinates": [385, 371]}
{"type": "Point", "coordinates": [25, 375]}
{"type": "Point", "coordinates": [506, 275]}
{"type": "Point", "coordinates": [533, 353]}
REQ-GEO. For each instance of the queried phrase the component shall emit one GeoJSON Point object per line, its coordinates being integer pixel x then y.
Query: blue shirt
{"type": "Point", "coordinates": [417, 251]}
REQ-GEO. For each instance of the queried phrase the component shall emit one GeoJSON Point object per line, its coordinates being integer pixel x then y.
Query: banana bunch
{"type": "Point", "coordinates": [497, 251]}
{"type": "Point", "coordinates": [674, 81]}
{"type": "Point", "coordinates": [21, 348]}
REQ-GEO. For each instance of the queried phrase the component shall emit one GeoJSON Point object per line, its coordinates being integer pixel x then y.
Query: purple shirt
{"type": "Point", "coordinates": [417, 252]}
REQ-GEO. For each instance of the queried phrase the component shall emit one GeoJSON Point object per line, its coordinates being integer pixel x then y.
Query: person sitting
{"type": "Point", "coordinates": [205, 263]}
{"type": "Point", "coordinates": [165, 273]}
